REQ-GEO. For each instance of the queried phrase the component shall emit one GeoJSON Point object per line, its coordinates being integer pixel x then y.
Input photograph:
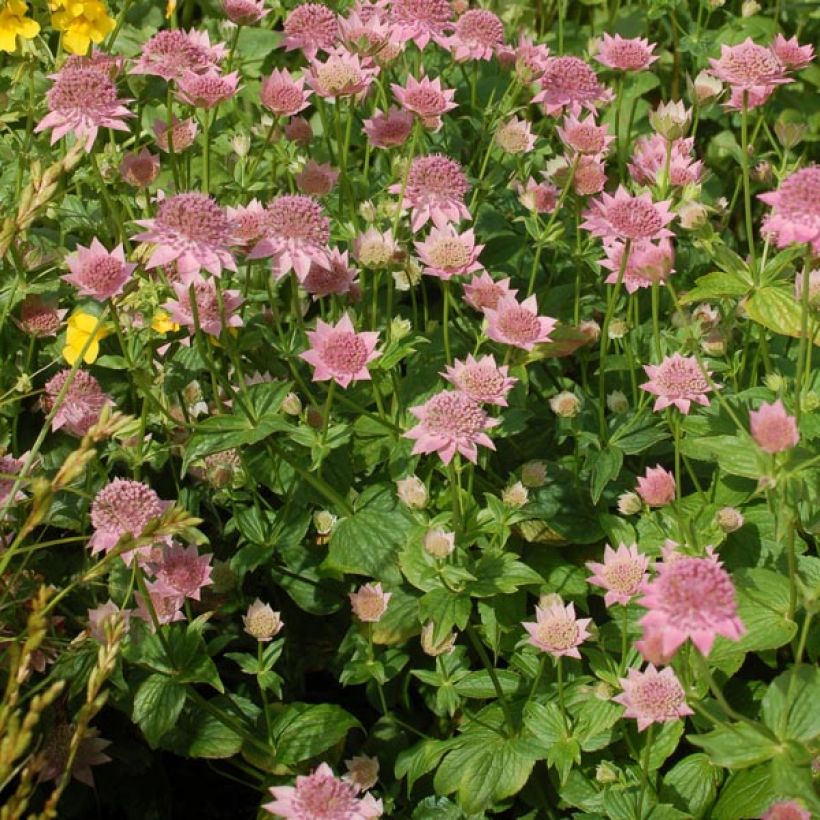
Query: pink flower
{"type": "Point", "coordinates": [634, 54]}
{"type": "Point", "coordinates": [375, 248]}
{"type": "Point", "coordinates": [262, 622]}
{"type": "Point", "coordinates": [167, 608]}
{"type": "Point", "coordinates": [368, 37]}
{"type": "Point", "coordinates": [98, 616]}
{"type": "Point", "coordinates": [342, 74]}
{"type": "Point", "coordinates": [338, 352]}
{"type": "Point", "coordinates": [652, 696]}
{"type": "Point", "coordinates": [420, 20]}
{"type": "Point", "coordinates": [515, 136]}
{"type": "Point", "coordinates": [322, 796]}
{"type": "Point", "coordinates": [81, 405]}
{"type": "Point", "coordinates": [530, 59]}
{"type": "Point", "coordinates": [436, 186]}
{"type": "Point", "coordinates": [298, 130]}
{"type": "Point", "coordinates": [191, 230]}
{"type": "Point", "coordinates": [89, 753]}
{"type": "Point", "coordinates": [677, 381]}
{"type": "Point", "coordinates": [182, 572]}
{"type": "Point", "coordinates": [209, 89]}
{"type": "Point", "coordinates": [183, 133]}
{"type": "Point", "coordinates": [172, 52]}
{"type": "Point", "coordinates": [691, 598]}
{"type": "Point", "coordinates": [557, 631]}
{"type": "Point", "coordinates": [311, 27]}
{"type": "Point", "coordinates": [97, 273]}
{"type": "Point", "coordinates": [247, 223]}
{"type": "Point", "coordinates": [477, 35]}
{"type": "Point", "coordinates": [208, 311]}
{"type": "Point", "coordinates": [282, 94]}
{"type": "Point", "coordinates": [751, 69]}
{"type": "Point", "coordinates": [481, 379]}
{"type": "Point", "coordinates": [369, 602]}
{"type": "Point", "coordinates": [450, 422]}
{"type": "Point", "coordinates": [795, 215]}
{"type": "Point", "coordinates": [651, 648]}
{"type": "Point", "coordinates": [427, 98]}
{"type": "Point", "coordinates": [786, 810]}
{"type": "Point", "coordinates": [244, 12]}
{"type": "Point", "coordinates": [649, 161]}
{"type": "Point", "coordinates": [296, 235]}
{"type": "Point", "coordinates": [82, 100]}
{"type": "Point", "coordinates": [447, 253]}
{"type": "Point", "coordinates": [657, 487]}
{"type": "Point", "coordinates": [388, 130]}
{"type": "Point", "coordinates": [568, 82]}
{"type": "Point", "coordinates": [647, 262]}
{"type": "Point", "coordinates": [333, 276]}
{"type": "Point", "coordinates": [621, 574]}
{"type": "Point", "coordinates": [541, 197]}
{"type": "Point", "coordinates": [773, 429]}
{"type": "Point", "coordinates": [518, 324]}
{"type": "Point", "coordinates": [628, 217]}
{"type": "Point", "coordinates": [814, 288]}
{"type": "Point", "coordinates": [316, 179]}
{"type": "Point", "coordinates": [584, 136]}
{"type": "Point", "coordinates": [794, 56]}
{"type": "Point", "coordinates": [40, 317]}
{"type": "Point", "coordinates": [590, 176]}
{"type": "Point", "coordinates": [483, 292]}
{"type": "Point", "coordinates": [9, 468]}
{"type": "Point", "coordinates": [140, 169]}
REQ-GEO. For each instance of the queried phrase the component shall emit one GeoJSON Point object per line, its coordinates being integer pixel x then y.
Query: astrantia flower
{"type": "Point", "coordinates": [338, 352]}
{"type": "Point", "coordinates": [426, 98]}
{"type": "Point", "coordinates": [183, 133]}
{"type": "Point", "coordinates": [569, 83]}
{"type": "Point", "coordinates": [172, 52]}
{"type": "Point", "coordinates": [750, 70]}
{"type": "Point", "coordinates": [296, 235]}
{"type": "Point", "coordinates": [633, 54]}
{"type": "Point", "coordinates": [795, 216]}
{"type": "Point", "coordinates": [14, 23]}
{"type": "Point", "coordinates": [677, 381]}
{"type": "Point", "coordinates": [773, 429]}
{"type": "Point", "coordinates": [81, 101]}
{"type": "Point", "coordinates": [647, 262]}
{"type": "Point", "coordinates": [649, 161]}
{"type": "Point", "coordinates": [450, 422]}
{"type": "Point", "coordinates": [40, 317]}
{"type": "Point", "coordinates": [298, 130]}
{"type": "Point", "coordinates": [375, 248]}
{"type": "Point", "coordinates": [624, 216]}
{"type": "Point", "coordinates": [436, 186]}
{"type": "Point", "coordinates": [245, 12]}
{"type": "Point", "coordinates": [311, 27]}
{"type": "Point", "coordinates": [261, 622]}
{"type": "Point", "coordinates": [362, 771]}
{"type": "Point", "coordinates": [438, 542]}
{"type": "Point", "coordinates": [9, 468]}
{"type": "Point", "coordinates": [794, 56]}
{"type": "Point", "coordinates": [191, 230]}
{"type": "Point", "coordinates": [530, 59]}
{"type": "Point", "coordinates": [557, 631]}
{"type": "Point", "coordinates": [106, 612]}
{"type": "Point", "coordinates": [332, 276]}
{"type": "Point", "coordinates": [515, 136]}
{"type": "Point", "coordinates": [420, 20]}
{"type": "Point", "coordinates": [247, 223]}
{"type": "Point", "coordinates": [208, 311]}
{"type": "Point", "coordinates": [367, 37]}
{"type": "Point", "coordinates": [81, 405]}
{"type": "Point", "coordinates": [369, 602]}
{"type": "Point", "coordinates": [182, 571]}
{"type": "Point", "coordinates": [140, 169]}
{"type": "Point", "coordinates": [657, 487]}
{"type": "Point", "coordinates": [813, 285]}
{"type": "Point", "coordinates": [691, 598]}
{"type": "Point", "coordinates": [584, 136]}
{"type": "Point", "coordinates": [518, 324]}
{"type": "Point", "coordinates": [209, 89]}
{"type": "Point", "coordinates": [97, 273]}
{"type": "Point", "coordinates": [481, 379]}
{"type": "Point", "coordinates": [483, 292]}
{"type": "Point", "coordinates": [341, 74]}
{"type": "Point", "coordinates": [57, 751]}
{"type": "Point", "coordinates": [447, 253]}
{"type": "Point", "coordinates": [316, 179]}
{"type": "Point", "coordinates": [786, 810]}
{"type": "Point", "coordinates": [621, 573]}
{"type": "Point", "coordinates": [590, 175]}
{"type": "Point", "coordinates": [541, 197]}
{"type": "Point", "coordinates": [652, 697]}
{"type": "Point", "coordinates": [167, 608]}
{"type": "Point", "coordinates": [282, 94]}
{"type": "Point", "coordinates": [322, 796]}
{"type": "Point", "coordinates": [476, 36]}
{"type": "Point", "coordinates": [388, 130]}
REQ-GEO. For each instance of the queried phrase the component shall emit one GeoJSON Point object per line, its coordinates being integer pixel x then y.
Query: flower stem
{"type": "Point", "coordinates": [559, 674]}
{"type": "Point", "coordinates": [541, 664]}
{"type": "Point", "coordinates": [445, 320]}
{"type": "Point", "coordinates": [744, 167]}
{"type": "Point", "coordinates": [206, 153]}
{"type": "Point", "coordinates": [645, 785]}
{"type": "Point", "coordinates": [804, 351]}
{"type": "Point", "coordinates": [485, 659]}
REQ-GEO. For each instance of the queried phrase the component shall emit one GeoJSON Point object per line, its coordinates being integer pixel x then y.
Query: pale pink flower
{"type": "Point", "coordinates": [678, 381]}
{"type": "Point", "coordinates": [426, 98]}
{"type": "Point", "coordinates": [209, 89]}
{"type": "Point", "coordinates": [634, 54]}
{"type": "Point", "coordinates": [621, 573]}
{"type": "Point", "coordinates": [518, 324]}
{"type": "Point", "coordinates": [793, 56]}
{"type": "Point", "coordinates": [368, 37]}
{"type": "Point", "coordinates": [81, 405]}
{"type": "Point", "coordinates": [182, 571]}
{"type": "Point", "coordinates": [584, 136]}
{"type": "Point", "coordinates": [515, 136]}
{"type": "Point", "coordinates": [183, 133]}
{"type": "Point", "coordinates": [651, 648]}
{"type": "Point", "coordinates": [647, 262]}
{"type": "Point", "coordinates": [167, 608]}
{"type": "Point", "coordinates": [656, 487]}
{"type": "Point", "coordinates": [388, 130]}
{"type": "Point", "coordinates": [652, 697]}
{"type": "Point", "coordinates": [814, 288]}
{"type": "Point", "coordinates": [140, 169]}
{"type": "Point", "coordinates": [369, 602]}
{"type": "Point", "coordinates": [311, 27]}
{"type": "Point", "coordinates": [192, 230]}
{"type": "Point", "coordinates": [481, 379]}
{"type": "Point", "coordinates": [296, 235]}
{"type": "Point", "coordinates": [541, 197]}
{"type": "Point", "coordinates": [261, 622]}
{"type": "Point", "coordinates": [530, 59]}
{"type": "Point", "coordinates": [322, 796]}
{"type": "Point", "coordinates": [420, 20]}
{"type": "Point", "coordinates": [447, 253]}
{"type": "Point", "coordinates": [483, 292]}
{"type": "Point", "coordinates": [649, 161]}
{"type": "Point", "coordinates": [786, 810]}
{"type": "Point", "coordinates": [298, 130]}
{"type": "Point", "coordinates": [245, 12]}
{"type": "Point", "coordinates": [82, 100]}
{"type": "Point", "coordinates": [341, 74]}
{"type": "Point", "coordinates": [476, 36]}
{"type": "Point", "coordinates": [795, 215]}
{"type": "Point", "coordinates": [590, 175]}
{"type": "Point", "coordinates": [98, 616]}
{"type": "Point", "coordinates": [98, 273]}
{"type": "Point", "coordinates": [208, 312]}
{"type": "Point", "coordinates": [338, 352]}
{"type": "Point", "coordinates": [624, 216]}
{"type": "Point", "coordinates": [172, 52]}
{"type": "Point", "coordinates": [569, 83]}
{"type": "Point", "coordinates": [333, 276]}
{"type": "Point", "coordinates": [773, 429]}
{"type": "Point", "coordinates": [282, 94]}
{"type": "Point", "coordinates": [750, 70]}
{"type": "Point", "coordinates": [9, 469]}
{"type": "Point", "coordinates": [557, 631]}
{"type": "Point", "coordinates": [691, 598]}
{"type": "Point", "coordinates": [362, 771]}
{"type": "Point", "coordinates": [375, 248]}
{"type": "Point", "coordinates": [40, 317]}
{"type": "Point", "coordinates": [247, 223]}
{"type": "Point", "coordinates": [436, 187]}
{"type": "Point", "coordinates": [450, 422]}
{"type": "Point", "coordinates": [316, 179]}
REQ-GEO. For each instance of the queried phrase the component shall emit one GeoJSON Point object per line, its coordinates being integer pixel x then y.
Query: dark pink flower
{"type": "Point", "coordinates": [652, 697]}
{"type": "Point", "coordinates": [140, 169]}
{"type": "Point", "coordinates": [311, 27]}
{"type": "Point", "coordinates": [426, 98]}
{"type": "Point", "coordinates": [9, 469]}
{"type": "Point", "coordinates": [89, 753]}
{"type": "Point", "coordinates": [369, 34]}
{"type": "Point", "coordinates": [569, 83]}
{"type": "Point", "coordinates": [282, 94]}
{"type": "Point", "coordinates": [316, 179]}
{"type": "Point", "coordinates": [339, 353]}
{"type": "Point", "coordinates": [420, 20]}
{"type": "Point", "coordinates": [795, 215]}
{"type": "Point", "coordinates": [656, 487]}
{"type": "Point", "coordinates": [677, 381]}
{"type": "Point", "coordinates": [622, 54]}
{"type": "Point", "coordinates": [209, 89]}
{"type": "Point", "coordinates": [333, 276]}
{"type": "Point", "coordinates": [98, 273]}
{"type": "Point", "coordinates": [245, 12]}
{"type": "Point", "coordinates": [172, 52]}
{"type": "Point", "coordinates": [167, 608]}
{"type": "Point", "coordinates": [481, 379]}
{"type": "Point", "coordinates": [541, 197]}
{"type": "Point", "coordinates": [182, 572]}
{"type": "Point", "coordinates": [183, 133]}
{"type": "Point", "coordinates": [794, 56]}
{"type": "Point", "coordinates": [647, 262]}
{"type": "Point", "coordinates": [81, 405]}
{"type": "Point", "coordinates": [518, 324]}
{"type": "Point", "coordinates": [557, 631]}
{"type": "Point", "coordinates": [584, 136]}
{"type": "Point", "coordinates": [623, 216]}
{"type": "Point", "coordinates": [388, 130]}
{"type": "Point", "coordinates": [209, 314]}
{"type": "Point", "coordinates": [298, 130]}
{"type": "Point", "coordinates": [621, 573]}
{"type": "Point", "coordinates": [649, 161]}
{"type": "Point", "coordinates": [483, 292]}
{"type": "Point", "coordinates": [40, 317]}
{"type": "Point", "coordinates": [477, 35]}
{"type": "Point", "coordinates": [773, 429]}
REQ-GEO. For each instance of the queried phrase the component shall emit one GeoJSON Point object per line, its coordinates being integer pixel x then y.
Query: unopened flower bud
{"type": "Point", "coordinates": [292, 404]}
{"type": "Point", "coordinates": [692, 215]}
{"type": "Point", "coordinates": [591, 329]}
{"type": "Point", "coordinates": [617, 402]}
{"type": "Point", "coordinates": [729, 519]}
{"type": "Point", "coordinates": [439, 543]}
{"type": "Point", "coordinates": [671, 120]}
{"type": "Point", "coordinates": [515, 495]}
{"type": "Point", "coordinates": [412, 492]}
{"type": "Point", "coordinates": [399, 328]}
{"type": "Point", "coordinates": [241, 144]}
{"type": "Point", "coordinates": [565, 404]}
{"type": "Point", "coordinates": [629, 503]}
{"type": "Point", "coordinates": [367, 211]}
{"type": "Point", "coordinates": [534, 474]}
{"type": "Point", "coordinates": [749, 8]}
{"type": "Point", "coordinates": [444, 647]}
{"type": "Point", "coordinates": [762, 172]}
{"type": "Point", "coordinates": [23, 384]}
{"type": "Point", "coordinates": [714, 343]}
{"type": "Point", "coordinates": [618, 328]}
{"type": "Point", "coordinates": [706, 87]}
{"type": "Point", "coordinates": [261, 622]}
{"type": "Point", "coordinates": [790, 134]}
{"type": "Point", "coordinates": [606, 773]}
{"type": "Point", "coordinates": [323, 521]}
{"type": "Point", "coordinates": [775, 382]}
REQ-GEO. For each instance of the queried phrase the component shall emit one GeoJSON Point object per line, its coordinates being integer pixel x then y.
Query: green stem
{"type": "Point", "coordinates": [262, 695]}
{"type": "Point", "coordinates": [206, 152]}
{"type": "Point", "coordinates": [744, 166]}
{"type": "Point", "coordinates": [485, 659]}
{"type": "Point", "coordinates": [804, 351]}
{"type": "Point", "coordinates": [645, 784]}
{"type": "Point", "coordinates": [559, 674]}
{"type": "Point", "coordinates": [455, 494]}
{"type": "Point", "coordinates": [541, 665]}
{"type": "Point", "coordinates": [445, 320]}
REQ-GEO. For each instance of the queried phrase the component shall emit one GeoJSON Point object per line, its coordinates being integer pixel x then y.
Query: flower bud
{"type": "Point", "coordinates": [692, 215]}
{"type": "Point", "coordinates": [439, 543]}
{"type": "Point", "coordinates": [671, 120]}
{"type": "Point", "coordinates": [261, 622]}
{"type": "Point", "coordinates": [412, 492]}
{"type": "Point", "coordinates": [714, 343]}
{"type": "Point", "coordinates": [629, 503]}
{"type": "Point", "coordinates": [729, 519]}
{"type": "Point", "coordinates": [565, 404]}
{"type": "Point", "coordinates": [241, 144]}
{"type": "Point", "coordinates": [617, 402]}
{"type": "Point", "coordinates": [606, 773]}
{"type": "Point", "coordinates": [706, 87]}
{"type": "Point", "coordinates": [775, 382]}
{"type": "Point", "coordinates": [292, 404]}
{"type": "Point", "coordinates": [790, 134]}
{"type": "Point", "coordinates": [515, 495]}
{"type": "Point", "coordinates": [534, 474]}
{"type": "Point", "coordinates": [762, 172]}
{"type": "Point", "coordinates": [367, 211]}
{"type": "Point", "coordinates": [400, 328]}
{"type": "Point", "coordinates": [749, 8]}
{"type": "Point", "coordinates": [323, 521]}
{"type": "Point", "coordinates": [444, 647]}
{"type": "Point", "coordinates": [591, 329]}
{"type": "Point", "coordinates": [618, 328]}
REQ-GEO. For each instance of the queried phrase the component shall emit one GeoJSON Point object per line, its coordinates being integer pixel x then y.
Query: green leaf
{"type": "Point", "coordinates": [790, 705]}
{"type": "Point", "coordinates": [209, 737]}
{"type": "Point", "coordinates": [734, 455]}
{"type": "Point", "coordinates": [736, 746]}
{"type": "Point", "coordinates": [665, 742]}
{"type": "Point", "coordinates": [157, 705]}
{"type": "Point", "coordinates": [605, 468]}
{"type": "Point", "coordinates": [563, 755]}
{"type": "Point", "coordinates": [691, 784]}
{"type": "Point", "coordinates": [747, 793]}
{"type": "Point", "coordinates": [500, 573]}
{"type": "Point", "coordinates": [775, 308]}
{"type": "Point", "coordinates": [595, 722]}
{"type": "Point", "coordinates": [479, 684]}
{"type": "Point", "coordinates": [418, 760]}
{"type": "Point", "coordinates": [717, 285]}
{"type": "Point", "coordinates": [305, 730]}
{"type": "Point", "coordinates": [445, 609]}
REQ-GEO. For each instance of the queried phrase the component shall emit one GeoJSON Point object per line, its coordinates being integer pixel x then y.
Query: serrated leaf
{"type": "Point", "coordinates": [157, 705]}
{"type": "Point", "coordinates": [305, 730]}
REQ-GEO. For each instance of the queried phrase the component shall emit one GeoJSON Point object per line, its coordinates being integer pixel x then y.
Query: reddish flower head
{"type": "Point", "coordinates": [481, 379]}
{"type": "Point", "coordinates": [338, 352]}
{"type": "Point", "coordinates": [183, 133]}
{"type": "Point", "coordinates": [282, 94]}
{"type": "Point", "coordinates": [245, 12]}
{"type": "Point", "coordinates": [426, 98]}
{"type": "Point", "coordinates": [649, 161]}
{"type": "Point", "coordinates": [557, 630]}
{"type": "Point", "coordinates": [773, 429]}
{"type": "Point", "coordinates": [388, 130]}
{"type": "Point", "coordinates": [97, 273]}
{"type": "Point", "coordinates": [447, 253]}
{"type": "Point", "coordinates": [677, 381]}
{"type": "Point", "coordinates": [621, 573]}
{"type": "Point", "coordinates": [569, 83]}
{"type": "Point", "coordinates": [786, 810]}
{"type": "Point", "coordinates": [657, 487]}
{"type": "Point", "coordinates": [247, 223]}
{"type": "Point", "coordinates": [518, 324]}
{"type": "Point", "coordinates": [40, 317]}
{"type": "Point", "coordinates": [541, 197]}
{"type": "Point", "coordinates": [795, 216]}
{"type": "Point", "coordinates": [172, 52]}
{"type": "Point", "coordinates": [482, 292]}
{"type": "Point", "coordinates": [634, 54]}
{"type": "Point", "coordinates": [316, 179]}
{"type": "Point", "coordinates": [477, 35]}
{"type": "Point", "coordinates": [311, 27]}
{"type": "Point", "coordinates": [140, 169]}
{"type": "Point", "coordinates": [420, 20]}
{"type": "Point", "coordinates": [647, 262]}
{"type": "Point", "coordinates": [209, 314]}
{"type": "Point", "coordinates": [334, 276]}
{"type": "Point", "coordinates": [623, 216]}
{"type": "Point", "coordinates": [209, 89]}
{"type": "Point", "coordinates": [182, 572]}
{"type": "Point", "coordinates": [81, 405]}
{"type": "Point", "coordinates": [652, 697]}
{"type": "Point", "coordinates": [794, 56]}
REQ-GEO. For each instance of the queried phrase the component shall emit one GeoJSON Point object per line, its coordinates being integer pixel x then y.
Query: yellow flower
{"type": "Point", "coordinates": [80, 327]}
{"type": "Point", "coordinates": [170, 8]}
{"type": "Point", "coordinates": [162, 323]}
{"type": "Point", "coordinates": [82, 22]}
{"type": "Point", "coordinates": [13, 21]}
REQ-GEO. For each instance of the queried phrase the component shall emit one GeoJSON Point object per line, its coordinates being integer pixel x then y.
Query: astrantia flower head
{"type": "Point", "coordinates": [652, 697]}
{"type": "Point", "coordinates": [261, 622]}
{"type": "Point", "coordinates": [311, 27]}
{"type": "Point", "coordinates": [751, 71]}
{"type": "Point", "coordinates": [182, 571]}
{"type": "Point", "coordinates": [183, 133]}
{"type": "Point", "coordinates": [341, 74]}
{"type": "Point", "coordinates": [81, 405]}
{"type": "Point", "coordinates": [624, 216]}
{"type": "Point", "coordinates": [338, 352]}
{"type": "Point", "coordinates": [450, 422]}
{"type": "Point", "coordinates": [426, 98]}
{"type": "Point", "coordinates": [569, 83]}
{"type": "Point", "coordinates": [172, 52]}
{"type": "Point", "coordinates": [316, 179]}
{"type": "Point", "coordinates": [388, 130]}
{"type": "Point", "coordinates": [282, 94]}
{"type": "Point", "coordinates": [420, 20]}
{"type": "Point", "coordinates": [691, 598]}
{"type": "Point", "coordinates": [362, 771]}
{"type": "Point", "coordinates": [166, 608]}
{"type": "Point", "coordinates": [209, 313]}
{"type": "Point", "coordinates": [98, 273]}
{"type": "Point", "coordinates": [447, 253]}
{"type": "Point", "coordinates": [584, 136]}
{"type": "Point", "coordinates": [368, 37]}
{"type": "Point", "coordinates": [649, 161]}
{"type": "Point", "coordinates": [518, 324]}
{"type": "Point", "coordinates": [99, 616]}
{"type": "Point", "coordinates": [369, 602]}
{"type": "Point", "coordinates": [647, 262]}
{"type": "Point", "coordinates": [794, 56]}
{"type": "Point", "coordinates": [557, 631]}
{"type": "Point", "coordinates": [298, 130]}
{"type": "Point", "coordinates": [191, 230]}
{"type": "Point", "coordinates": [140, 169]}
{"type": "Point", "coordinates": [786, 810]}
{"type": "Point", "coordinates": [477, 35]}
{"type": "Point", "coordinates": [773, 429]}
{"type": "Point", "coordinates": [621, 573]}
{"type": "Point", "coordinates": [483, 292]}
{"type": "Point", "coordinates": [40, 317]}
{"type": "Point", "coordinates": [9, 468]}
{"type": "Point", "coordinates": [375, 248]}
{"type": "Point", "coordinates": [515, 136]}
{"type": "Point", "coordinates": [333, 276]}
{"type": "Point", "coordinates": [208, 89]}
{"type": "Point", "coordinates": [657, 487]}
{"type": "Point", "coordinates": [541, 197]}
{"type": "Point", "coordinates": [590, 175]}
{"type": "Point", "coordinates": [245, 12]}
{"type": "Point", "coordinates": [247, 223]}
{"type": "Point", "coordinates": [622, 54]}
{"type": "Point", "coordinates": [481, 379]}
{"type": "Point", "coordinates": [678, 381]}
{"type": "Point", "coordinates": [530, 59]}
{"type": "Point", "coordinates": [795, 215]}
